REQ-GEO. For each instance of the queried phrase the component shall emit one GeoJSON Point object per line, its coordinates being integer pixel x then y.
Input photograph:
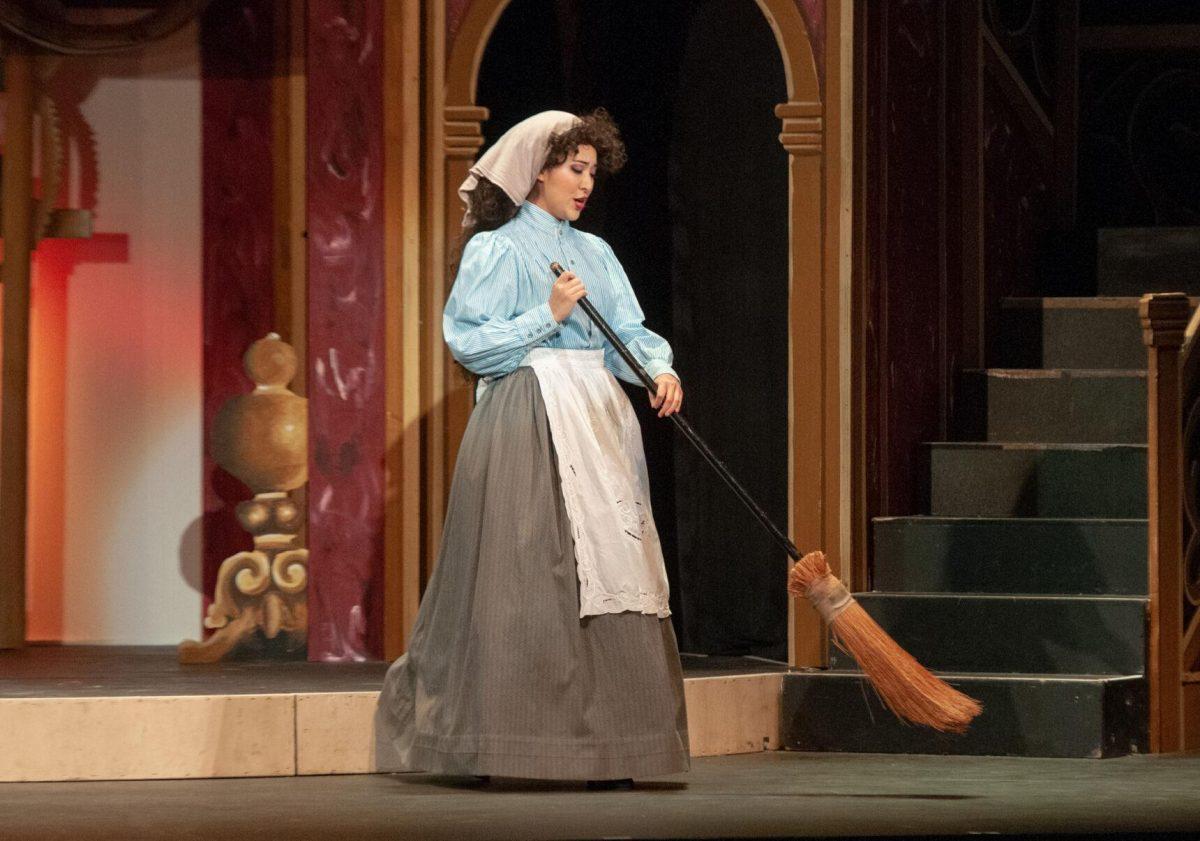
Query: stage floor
{"type": "Point", "coordinates": [134, 713]}
{"type": "Point", "coordinates": [81, 671]}
{"type": "Point", "coordinates": [764, 795]}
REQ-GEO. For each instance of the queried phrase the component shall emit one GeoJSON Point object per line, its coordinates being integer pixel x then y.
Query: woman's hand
{"type": "Point", "coordinates": [669, 396]}
{"type": "Point", "coordinates": [567, 289]}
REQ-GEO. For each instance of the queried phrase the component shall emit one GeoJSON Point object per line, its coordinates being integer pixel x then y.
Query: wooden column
{"type": "Point", "coordinates": [434, 487]}
{"type": "Point", "coordinates": [843, 414]}
{"type": "Point", "coordinates": [803, 138]}
{"type": "Point", "coordinates": [1164, 320]}
{"type": "Point", "coordinates": [288, 126]}
{"type": "Point", "coordinates": [455, 141]}
{"type": "Point", "coordinates": [463, 138]}
{"type": "Point", "coordinates": [403, 277]}
{"type": "Point", "coordinates": [16, 219]}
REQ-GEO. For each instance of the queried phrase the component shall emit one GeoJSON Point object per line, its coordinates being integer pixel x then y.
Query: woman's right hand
{"type": "Point", "coordinates": [567, 289]}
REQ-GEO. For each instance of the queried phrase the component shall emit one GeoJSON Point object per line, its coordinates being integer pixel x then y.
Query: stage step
{"type": "Point", "coordinates": [1038, 556]}
{"type": "Point", "coordinates": [1053, 406]}
{"type": "Point", "coordinates": [1087, 333]}
{"type": "Point", "coordinates": [1023, 715]}
{"type": "Point", "coordinates": [1134, 261]}
{"type": "Point", "coordinates": [119, 713]}
{"type": "Point", "coordinates": [991, 479]}
{"type": "Point", "coordinates": [1010, 633]}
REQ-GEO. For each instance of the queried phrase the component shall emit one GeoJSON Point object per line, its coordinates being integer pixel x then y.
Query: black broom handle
{"type": "Point", "coordinates": [686, 428]}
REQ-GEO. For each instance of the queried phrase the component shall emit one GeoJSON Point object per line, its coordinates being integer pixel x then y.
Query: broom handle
{"type": "Point", "coordinates": [686, 428]}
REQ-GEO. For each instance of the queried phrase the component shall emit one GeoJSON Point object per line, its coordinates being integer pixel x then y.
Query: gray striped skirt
{"type": "Point", "coordinates": [502, 677]}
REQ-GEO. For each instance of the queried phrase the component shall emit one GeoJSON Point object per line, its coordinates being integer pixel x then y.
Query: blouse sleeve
{"type": "Point", "coordinates": [626, 318]}
{"type": "Point", "coordinates": [480, 323]}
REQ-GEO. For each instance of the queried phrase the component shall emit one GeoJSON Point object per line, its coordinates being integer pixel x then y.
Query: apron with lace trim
{"type": "Point", "coordinates": [605, 486]}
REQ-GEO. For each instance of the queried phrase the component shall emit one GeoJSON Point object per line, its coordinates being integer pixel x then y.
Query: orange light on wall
{"type": "Point", "coordinates": [52, 264]}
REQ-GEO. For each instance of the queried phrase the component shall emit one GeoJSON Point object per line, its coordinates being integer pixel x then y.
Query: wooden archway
{"type": "Point", "coordinates": [817, 364]}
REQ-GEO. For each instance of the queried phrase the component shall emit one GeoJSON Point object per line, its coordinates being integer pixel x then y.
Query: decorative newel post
{"type": "Point", "coordinates": [1164, 322]}
{"type": "Point", "coordinates": [262, 439]}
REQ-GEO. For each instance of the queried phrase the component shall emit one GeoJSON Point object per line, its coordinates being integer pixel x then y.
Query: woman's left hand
{"type": "Point", "coordinates": [669, 397]}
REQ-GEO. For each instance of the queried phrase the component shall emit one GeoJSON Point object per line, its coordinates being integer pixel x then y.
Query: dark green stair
{"type": "Point", "coordinates": [992, 479]}
{"type": "Point", "coordinates": [1024, 715]}
{"type": "Point", "coordinates": [1134, 261]}
{"type": "Point", "coordinates": [1037, 556]}
{"type": "Point", "coordinates": [1054, 406]}
{"type": "Point", "coordinates": [1064, 333]}
{"type": "Point", "coordinates": [1025, 634]}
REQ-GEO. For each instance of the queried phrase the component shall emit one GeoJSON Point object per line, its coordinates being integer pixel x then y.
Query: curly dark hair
{"type": "Point", "coordinates": [596, 129]}
{"type": "Point", "coordinates": [491, 207]}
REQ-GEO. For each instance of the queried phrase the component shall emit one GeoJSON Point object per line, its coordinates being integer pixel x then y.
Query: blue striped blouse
{"type": "Point", "coordinates": [499, 305]}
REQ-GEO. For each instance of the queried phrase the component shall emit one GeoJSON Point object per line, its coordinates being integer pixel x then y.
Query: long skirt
{"type": "Point", "coordinates": [502, 676]}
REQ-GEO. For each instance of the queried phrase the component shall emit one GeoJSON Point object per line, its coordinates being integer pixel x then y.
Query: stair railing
{"type": "Point", "coordinates": [1169, 331]}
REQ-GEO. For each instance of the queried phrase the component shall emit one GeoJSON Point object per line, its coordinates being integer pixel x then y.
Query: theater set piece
{"type": "Point", "coordinates": [675, 400]}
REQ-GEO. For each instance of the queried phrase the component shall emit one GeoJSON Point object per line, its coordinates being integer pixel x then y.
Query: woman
{"type": "Point", "coordinates": [543, 646]}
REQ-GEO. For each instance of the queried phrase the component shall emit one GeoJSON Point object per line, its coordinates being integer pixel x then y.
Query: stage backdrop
{"type": "Point", "coordinates": [115, 410]}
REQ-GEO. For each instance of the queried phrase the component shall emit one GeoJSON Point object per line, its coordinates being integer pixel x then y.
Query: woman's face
{"type": "Point", "coordinates": [563, 190]}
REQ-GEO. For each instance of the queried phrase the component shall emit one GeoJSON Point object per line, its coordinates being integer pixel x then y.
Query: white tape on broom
{"type": "Point", "coordinates": [829, 596]}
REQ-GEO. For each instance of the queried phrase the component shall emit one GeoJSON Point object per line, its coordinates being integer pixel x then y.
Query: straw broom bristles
{"type": "Point", "coordinates": [904, 685]}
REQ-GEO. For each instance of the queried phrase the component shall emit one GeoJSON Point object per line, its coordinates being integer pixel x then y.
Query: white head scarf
{"type": "Point", "coordinates": [514, 161]}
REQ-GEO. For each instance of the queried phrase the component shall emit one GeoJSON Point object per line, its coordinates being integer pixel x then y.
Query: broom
{"type": "Point", "coordinates": [906, 687]}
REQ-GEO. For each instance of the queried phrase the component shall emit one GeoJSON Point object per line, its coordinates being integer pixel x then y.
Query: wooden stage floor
{"type": "Point", "coordinates": [81, 671]}
{"type": "Point", "coordinates": [765, 795]}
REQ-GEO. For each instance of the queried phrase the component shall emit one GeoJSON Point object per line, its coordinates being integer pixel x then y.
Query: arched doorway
{"type": "Point", "coordinates": [814, 441]}
{"type": "Point", "coordinates": [699, 219]}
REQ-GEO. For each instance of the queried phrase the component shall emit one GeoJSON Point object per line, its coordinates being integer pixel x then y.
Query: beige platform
{"type": "Point", "coordinates": [289, 733]}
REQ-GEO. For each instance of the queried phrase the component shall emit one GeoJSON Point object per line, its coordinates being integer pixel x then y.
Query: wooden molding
{"type": "Point", "coordinates": [860, 476]}
{"type": "Point", "coordinates": [288, 129]}
{"type": "Point", "coordinates": [436, 82]}
{"type": "Point", "coordinates": [16, 219]}
{"type": "Point", "coordinates": [403, 254]}
{"type": "Point", "coordinates": [463, 130]}
{"type": "Point", "coordinates": [1165, 319]}
{"type": "Point", "coordinates": [803, 127]}
{"type": "Point", "coordinates": [795, 47]}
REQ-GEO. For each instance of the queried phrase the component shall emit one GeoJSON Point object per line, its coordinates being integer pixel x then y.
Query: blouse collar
{"type": "Point", "coordinates": [541, 219]}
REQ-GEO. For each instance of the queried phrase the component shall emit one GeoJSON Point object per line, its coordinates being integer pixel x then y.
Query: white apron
{"type": "Point", "coordinates": [605, 485]}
